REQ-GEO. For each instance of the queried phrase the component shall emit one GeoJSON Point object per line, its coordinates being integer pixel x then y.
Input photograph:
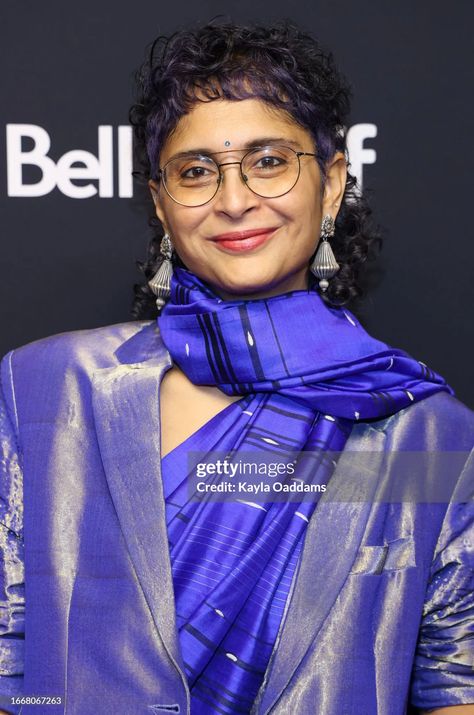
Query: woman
{"type": "Point", "coordinates": [145, 593]}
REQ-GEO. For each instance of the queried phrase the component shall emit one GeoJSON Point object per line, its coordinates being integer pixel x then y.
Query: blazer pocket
{"type": "Point", "coordinates": [391, 556]}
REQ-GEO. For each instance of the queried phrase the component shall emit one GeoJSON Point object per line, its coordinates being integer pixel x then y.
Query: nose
{"type": "Point", "coordinates": [234, 198]}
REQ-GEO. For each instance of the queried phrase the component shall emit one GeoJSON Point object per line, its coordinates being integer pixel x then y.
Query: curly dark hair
{"type": "Point", "coordinates": [282, 66]}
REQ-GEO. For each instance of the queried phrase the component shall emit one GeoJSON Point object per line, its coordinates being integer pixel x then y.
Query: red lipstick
{"type": "Point", "coordinates": [238, 241]}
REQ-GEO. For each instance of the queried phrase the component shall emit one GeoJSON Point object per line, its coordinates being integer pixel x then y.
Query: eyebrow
{"type": "Point", "coordinates": [260, 141]}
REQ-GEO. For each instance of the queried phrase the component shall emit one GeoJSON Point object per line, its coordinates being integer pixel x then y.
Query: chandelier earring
{"type": "Point", "coordinates": [160, 284]}
{"type": "Point", "coordinates": [325, 265]}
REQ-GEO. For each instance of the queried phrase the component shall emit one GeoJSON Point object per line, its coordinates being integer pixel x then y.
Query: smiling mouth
{"type": "Point", "coordinates": [239, 241]}
{"type": "Point", "coordinates": [241, 235]}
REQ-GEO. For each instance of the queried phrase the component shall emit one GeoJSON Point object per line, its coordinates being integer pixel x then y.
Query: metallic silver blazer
{"type": "Point", "coordinates": [381, 615]}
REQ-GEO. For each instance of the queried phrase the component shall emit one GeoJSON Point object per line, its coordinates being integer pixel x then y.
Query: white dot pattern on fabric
{"type": "Point", "coordinates": [357, 415]}
{"type": "Point", "coordinates": [328, 417]}
{"type": "Point", "coordinates": [302, 516]}
{"type": "Point", "coordinates": [187, 349]}
{"type": "Point", "coordinates": [231, 656]}
{"type": "Point", "coordinates": [249, 338]}
{"type": "Point", "coordinates": [219, 613]}
{"type": "Point", "coordinates": [246, 412]}
{"type": "Point", "coordinates": [349, 318]}
{"type": "Point", "coordinates": [251, 503]}
{"type": "Point", "coordinates": [391, 363]}
{"type": "Point", "coordinates": [269, 440]}
{"type": "Point", "coordinates": [410, 395]}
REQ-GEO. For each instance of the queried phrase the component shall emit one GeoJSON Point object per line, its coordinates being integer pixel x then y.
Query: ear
{"type": "Point", "coordinates": [155, 193]}
{"type": "Point", "coordinates": [336, 176]}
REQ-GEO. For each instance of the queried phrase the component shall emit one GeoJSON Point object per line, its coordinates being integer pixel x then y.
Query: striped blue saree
{"type": "Point", "coordinates": [306, 372]}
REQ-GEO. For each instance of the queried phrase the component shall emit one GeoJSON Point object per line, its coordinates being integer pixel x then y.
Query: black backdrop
{"type": "Point", "coordinates": [68, 263]}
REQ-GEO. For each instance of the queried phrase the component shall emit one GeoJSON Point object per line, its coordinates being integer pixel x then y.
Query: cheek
{"type": "Point", "coordinates": [302, 206]}
{"type": "Point", "coordinates": [185, 228]}
{"type": "Point", "coordinates": [183, 223]}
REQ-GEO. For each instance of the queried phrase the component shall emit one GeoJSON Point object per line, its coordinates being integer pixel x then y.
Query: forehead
{"type": "Point", "coordinates": [224, 124]}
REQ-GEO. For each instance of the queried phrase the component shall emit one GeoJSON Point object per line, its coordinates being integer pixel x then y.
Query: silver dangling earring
{"type": "Point", "coordinates": [325, 265]}
{"type": "Point", "coordinates": [161, 281]}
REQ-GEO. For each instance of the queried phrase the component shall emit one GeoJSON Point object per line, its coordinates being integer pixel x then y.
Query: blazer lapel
{"type": "Point", "coordinates": [126, 410]}
{"type": "Point", "coordinates": [331, 544]}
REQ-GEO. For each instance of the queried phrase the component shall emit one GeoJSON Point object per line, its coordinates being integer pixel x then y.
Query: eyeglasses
{"type": "Point", "coordinates": [268, 171]}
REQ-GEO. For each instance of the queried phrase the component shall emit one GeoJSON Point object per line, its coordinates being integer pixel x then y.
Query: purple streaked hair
{"type": "Point", "coordinates": [285, 68]}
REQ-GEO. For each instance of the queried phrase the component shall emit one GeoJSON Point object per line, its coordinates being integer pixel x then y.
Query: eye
{"type": "Point", "coordinates": [190, 171]}
{"type": "Point", "coordinates": [269, 162]}
{"type": "Point", "coordinates": [195, 172]}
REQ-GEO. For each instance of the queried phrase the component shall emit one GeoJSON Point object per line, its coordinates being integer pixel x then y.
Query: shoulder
{"type": "Point", "coordinates": [40, 370]}
{"type": "Point", "coordinates": [422, 455]}
{"type": "Point", "coordinates": [439, 422]}
{"type": "Point", "coordinates": [92, 348]}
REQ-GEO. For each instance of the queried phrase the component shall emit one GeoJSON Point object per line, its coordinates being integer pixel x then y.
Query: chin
{"type": "Point", "coordinates": [247, 289]}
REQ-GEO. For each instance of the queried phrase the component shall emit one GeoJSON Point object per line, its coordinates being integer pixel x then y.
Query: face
{"type": "Point", "coordinates": [276, 261]}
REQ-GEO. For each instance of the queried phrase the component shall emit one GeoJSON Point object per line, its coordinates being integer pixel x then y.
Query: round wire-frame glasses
{"type": "Point", "coordinates": [268, 171]}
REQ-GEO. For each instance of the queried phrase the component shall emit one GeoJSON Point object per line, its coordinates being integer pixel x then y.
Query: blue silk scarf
{"type": "Point", "coordinates": [306, 372]}
{"type": "Point", "coordinates": [292, 344]}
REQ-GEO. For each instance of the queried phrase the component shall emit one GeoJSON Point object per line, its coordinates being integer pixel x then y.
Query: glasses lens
{"type": "Point", "coordinates": [191, 180]}
{"type": "Point", "coordinates": [271, 171]}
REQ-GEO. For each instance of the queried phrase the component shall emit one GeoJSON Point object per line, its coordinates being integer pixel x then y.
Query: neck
{"type": "Point", "coordinates": [298, 282]}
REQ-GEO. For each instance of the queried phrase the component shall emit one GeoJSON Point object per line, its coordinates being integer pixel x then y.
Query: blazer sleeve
{"type": "Point", "coordinates": [443, 673]}
{"type": "Point", "coordinates": [12, 588]}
